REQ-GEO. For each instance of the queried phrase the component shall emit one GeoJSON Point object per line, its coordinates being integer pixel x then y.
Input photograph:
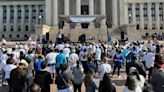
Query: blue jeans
{"type": "Point", "coordinates": [117, 65]}
{"type": "Point", "coordinates": [3, 75]}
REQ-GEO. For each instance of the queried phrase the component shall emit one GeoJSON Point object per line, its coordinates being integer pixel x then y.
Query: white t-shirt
{"type": "Point", "coordinates": [73, 58]}
{"type": "Point", "coordinates": [140, 82]}
{"type": "Point", "coordinates": [66, 51]}
{"type": "Point", "coordinates": [51, 57]}
{"type": "Point", "coordinates": [83, 56]}
{"type": "Point", "coordinates": [4, 58]}
{"type": "Point", "coordinates": [149, 59]}
{"type": "Point", "coordinates": [60, 47]}
{"type": "Point", "coordinates": [8, 68]}
{"type": "Point", "coordinates": [138, 89]}
{"type": "Point", "coordinates": [104, 68]}
{"type": "Point", "coordinates": [15, 55]}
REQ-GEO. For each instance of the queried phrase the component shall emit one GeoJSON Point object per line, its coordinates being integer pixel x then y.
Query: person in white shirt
{"type": "Point", "coordinates": [8, 68]}
{"type": "Point", "coordinates": [73, 58]}
{"type": "Point", "coordinates": [104, 68]}
{"type": "Point", "coordinates": [66, 51]}
{"type": "Point", "coordinates": [60, 46]}
{"type": "Point", "coordinates": [15, 54]}
{"type": "Point", "coordinates": [51, 60]}
{"type": "Point", "coordinates": [84, 58]}
{"type": "Point", "coordinates": [149, 58]}
{"type": "Point", "coordinates": [3, 60]}
{"type": "Point", "coordinates": [131, 85]}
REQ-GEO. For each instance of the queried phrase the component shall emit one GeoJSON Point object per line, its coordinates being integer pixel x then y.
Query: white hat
{"type": "Point", "coordinates": [132, 69]}
{"type": "Point", "coordinates": [24, 62]}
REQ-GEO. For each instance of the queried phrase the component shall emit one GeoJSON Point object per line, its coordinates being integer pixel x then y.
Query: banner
{"type": "Point", "coordinates": [82, 19]}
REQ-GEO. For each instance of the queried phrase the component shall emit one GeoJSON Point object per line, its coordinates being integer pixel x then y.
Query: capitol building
{"type": "Point", "coordinates": [89, 20]}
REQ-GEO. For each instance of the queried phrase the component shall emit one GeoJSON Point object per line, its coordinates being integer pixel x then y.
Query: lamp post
{"type": "Point", "coordinates": [40, 19]}
{"type": "Point", "coordinates": [130, 18]}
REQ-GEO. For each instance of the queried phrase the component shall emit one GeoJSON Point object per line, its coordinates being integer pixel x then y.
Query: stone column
{"type": "Point", "coordinates": [15, 17]}
{"type": "Point", "coordinates": [149, 17]}
{"type": "Point", "coordinates": [103, 12]}
{"type": "Point", "coordinates": [8, 18]}
{"type": "Point", "coordinates": [133, 13]}
{"type": "Point", "coordinates": [22, 17]}
{"type": "Point", "coordinates": [114, 12]}
{"type": "Point", "coordinates": [37, 14]}
{"type": "Point", "coordinates": [126, 17]}
{"type": "Point", "coordinates": [141, 17]}
{"type": "Point", "coordinates": [30, 18]}
{"type": "Point", "coordinates": [55, 15]}
{"type": "Point", "coordinates": [91, 11]}
{"type": "Point", "coordinates": [1, 18]}
{"type": "Point", "coordinates": [78, 11]}
{"type": "Point", "coordinates": [66, 11]}
{"type": "Point", "coordinates": [48, 12]}
{"type": "Point", "coordinates": [157, 16]}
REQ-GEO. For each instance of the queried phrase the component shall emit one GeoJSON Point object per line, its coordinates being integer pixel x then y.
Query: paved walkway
{"type": "Point", "coordinates": [119, 82]}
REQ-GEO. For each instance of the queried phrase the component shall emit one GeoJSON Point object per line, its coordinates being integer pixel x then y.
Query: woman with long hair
{"type": "Point", "coordinates": [131, 85]}
{"type": "Point", "coordinates": [89, 82]}
{"type": "Point", "coordinates": [106, 84]}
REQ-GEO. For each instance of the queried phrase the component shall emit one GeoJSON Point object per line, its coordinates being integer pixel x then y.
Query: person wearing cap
{"type": "Point", "coordinates": [139, 79]}
{"type": "Point", "coordinates": [18, 77]}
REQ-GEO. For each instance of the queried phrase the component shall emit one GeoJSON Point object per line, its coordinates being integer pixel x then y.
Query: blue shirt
{"type": "Point", "coordinates": [60, 59]}
{"type": "Point", "coordinates": [38, 65]}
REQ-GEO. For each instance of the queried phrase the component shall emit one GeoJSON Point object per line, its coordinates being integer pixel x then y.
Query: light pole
{"type": "Point", "coordinates": [130, 18]}
{"type": "Point", "coordinates": [40, 19]}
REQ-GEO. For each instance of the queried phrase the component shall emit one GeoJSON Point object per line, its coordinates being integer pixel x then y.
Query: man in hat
{"type": "Point", "coordinates": [18, 77]}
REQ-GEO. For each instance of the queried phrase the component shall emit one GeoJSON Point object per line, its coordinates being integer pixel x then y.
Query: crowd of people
{"type": "Point", "coordinates": [31, 67]}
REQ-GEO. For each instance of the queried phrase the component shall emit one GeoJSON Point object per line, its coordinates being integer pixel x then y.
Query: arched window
{"type": "Point", "coordinates": [17, 35]}
{"type": "Point", "coordinates": [161, 26]}
{"type": "Point", "coordinates": [138, 27]}
{"type": "Point", "coordinates": [145, 26]}
{"type": "Point", "coordinates": [153, 26]}
{"type": "Point", "coordinates": [12, 29]}
{"type": "Point", "coordinates": [4, 28]}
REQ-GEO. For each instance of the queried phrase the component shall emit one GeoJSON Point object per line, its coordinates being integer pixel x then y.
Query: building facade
{"type": "Point", "coordinates": [21, 19]}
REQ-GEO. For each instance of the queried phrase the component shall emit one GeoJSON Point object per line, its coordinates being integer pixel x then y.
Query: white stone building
{"type": "Point", "coordinates": [20, 19]}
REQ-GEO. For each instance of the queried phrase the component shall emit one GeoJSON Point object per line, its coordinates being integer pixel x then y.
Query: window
{"type": "Point", "coordinates": [4, 28]}
{"type": "Point", "coordinates": [12, 29]}
{"type": "Point", "coordinates": [153, 26]}
{"type": "Point", "coordinates": [10, 36]}
{"type": "Point", "coordinates": [19, 28]}
{"type": "Point", "coordinates": [3, 36]}
{"type": "Point", "coordinates": [153, 11]}
{"type": "Point", "coordinates": [145, 26]}
{"type": "Point", "coordinates": [161, 26]}
{"type": "Point", "coordinates": [161, 11]}
{"type": "Point", "coordinates": [17, 35]}
{"type": "Point", "coordinates": [138, 27]}
{"type": "Point", "coordinates": [4, 20]}
{"type": "Point", "coordinates": [26, 28]}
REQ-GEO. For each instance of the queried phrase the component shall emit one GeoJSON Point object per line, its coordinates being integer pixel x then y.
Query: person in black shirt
{"type": "Point", "coordinates": [43, 79]}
